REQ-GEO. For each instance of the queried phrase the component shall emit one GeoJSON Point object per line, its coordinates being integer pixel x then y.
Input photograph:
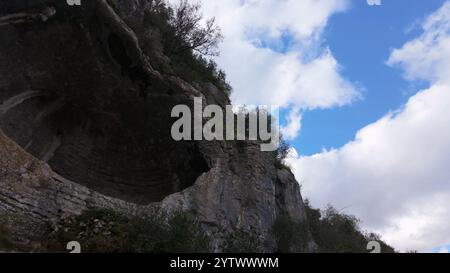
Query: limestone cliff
{"type": "Point", "coordinates": [85, 119]}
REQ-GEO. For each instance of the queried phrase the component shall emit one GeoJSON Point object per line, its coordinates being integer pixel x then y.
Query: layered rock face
{"type": "Point", "coordinates": [86, 124]}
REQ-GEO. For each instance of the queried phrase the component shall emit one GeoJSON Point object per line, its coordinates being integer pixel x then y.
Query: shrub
{"type": "Point", "coordinates": [281, 154]}
{"type": "Point", "coordinates": [193, 68]}
{"type": "Point", "coordinates": [241, 241]}
{"type": "Point", "coordinates": [108, 231]}
{"type": "Point", "coordinates": [336, 232]}
{"type": "Point", "coordinates": [290, 235]}
{"type": "Point", "coordinates": [186, 42]}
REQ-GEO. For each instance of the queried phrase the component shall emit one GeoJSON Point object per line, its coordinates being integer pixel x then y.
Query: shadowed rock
{"type": "Point", "coordinates": [78, 92]}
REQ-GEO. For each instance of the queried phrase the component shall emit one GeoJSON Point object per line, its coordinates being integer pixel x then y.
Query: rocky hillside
{"type": "Point", "coordinates": [85, 100]}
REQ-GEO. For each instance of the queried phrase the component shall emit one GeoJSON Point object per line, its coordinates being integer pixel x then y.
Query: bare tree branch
{"type": "Point", "coordinates": [191, 34]}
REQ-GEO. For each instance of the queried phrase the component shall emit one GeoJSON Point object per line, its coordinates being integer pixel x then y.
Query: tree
{"type": "Point", "coordinates": [190, 33]}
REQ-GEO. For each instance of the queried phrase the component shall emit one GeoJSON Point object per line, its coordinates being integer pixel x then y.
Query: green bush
{"type": "Point", "coordinates": [281, 154]}
{"type": "Point", "coordinates": [187, 64]}
{"type": "Point", "coordinates": [336, 232]}
{"type": "Point", "coordinates": [290, 236]}
{"type": "Point", "coordinates": [111, 232]}
{"type": "Point", "coordinates": [192, 68]}
{"type": "Point", "coordinates": [331, 230]}
{"type": "Point", "coordinates": [241, 241]}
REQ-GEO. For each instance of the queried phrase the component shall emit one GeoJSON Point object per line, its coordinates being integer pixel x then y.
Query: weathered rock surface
{"type": "Point", "coordinates": [79, 95]}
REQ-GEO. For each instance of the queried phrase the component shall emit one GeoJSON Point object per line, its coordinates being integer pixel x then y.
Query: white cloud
{"type": "Point", "coordinates": [304, 75]}
{"type": "Point", "coordinates": [428, 65]}
{"type": "Point", "coordinates": [374, 2]}
{"type": "Point", "coordinates": [395, 175]}
{"type": "Point", "coordinates": [443, 250]}
{"type": "Point", "coordinates": [294, 124]}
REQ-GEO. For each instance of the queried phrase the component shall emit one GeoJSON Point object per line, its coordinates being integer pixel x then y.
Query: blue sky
{"type": "Point", "coordinates": [365, 94]}
{"type": "Point", "coordinates": [361, 40]}
{"type": "Point", "coordinates": [442, 249]}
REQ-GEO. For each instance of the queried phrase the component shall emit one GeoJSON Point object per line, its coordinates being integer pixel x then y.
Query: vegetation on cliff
{"type": "Point", "coordinates": [186, 41]}
{"type": "Point", "coordinates": [331, 230]}
{"type": "Point", "coordinates": [112, 232]}
{"type": "Point", "coordinates": [337, 232]}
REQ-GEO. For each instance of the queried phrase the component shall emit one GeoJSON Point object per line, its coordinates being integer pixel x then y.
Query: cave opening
{"type": "Point", "coordinates": [66, 102]}
{"type": "Point", "coordinates": [131, 157]}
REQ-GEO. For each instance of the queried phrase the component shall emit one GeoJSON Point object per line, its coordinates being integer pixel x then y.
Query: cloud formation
{"type": "Point", "coordinates": [374, 2]}
{"type": "Point", "coordinates": [273, 54]}
{"type": "Point", "coordinates": [294, 124]}
{"type": "Point", "coordinates": [394, 175]}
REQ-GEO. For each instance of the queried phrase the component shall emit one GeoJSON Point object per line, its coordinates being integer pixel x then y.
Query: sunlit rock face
{"type": "Point", "coordinates": [80, 92]}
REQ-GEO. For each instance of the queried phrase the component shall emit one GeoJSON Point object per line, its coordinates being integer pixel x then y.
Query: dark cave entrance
{"type": "Point", "coordinates": [79, 99]}
{"type": "Point", "coordinates": [123, 152]}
